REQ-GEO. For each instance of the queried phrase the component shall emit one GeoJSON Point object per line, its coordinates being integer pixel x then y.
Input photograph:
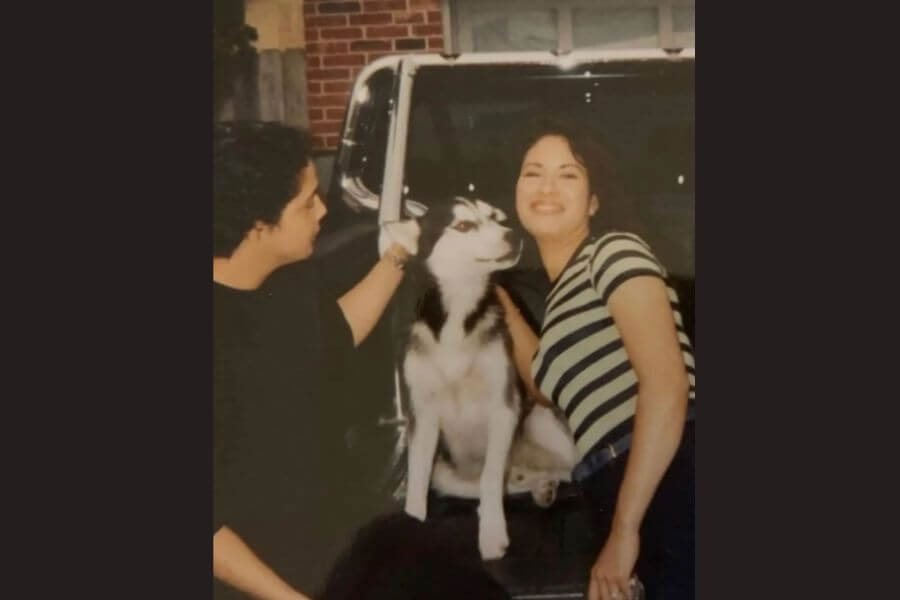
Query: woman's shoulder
{"type": "Point", "coordinates": [619, 255]}
{"type": "Point", "coordinates": [614, 243]}
{"type": "Point", "coordinates": [619, 238]}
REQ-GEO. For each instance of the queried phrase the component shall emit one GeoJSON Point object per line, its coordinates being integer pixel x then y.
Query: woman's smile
{"type": "Point", "coordinates": [546, 207]}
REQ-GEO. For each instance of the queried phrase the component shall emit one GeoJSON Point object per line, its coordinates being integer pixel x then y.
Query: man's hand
{"type": "Point", "coordinates": [612, 571]}
{"type": "Point", "coordinates": [237, 565]}
{"type": "Point", "coordinates": [404, 233]}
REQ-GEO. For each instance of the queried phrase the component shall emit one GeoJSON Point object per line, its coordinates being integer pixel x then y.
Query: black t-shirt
{"type": "Point", "coordinates": [275, 349]}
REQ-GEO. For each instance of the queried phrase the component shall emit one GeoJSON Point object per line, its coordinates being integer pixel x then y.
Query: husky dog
{"type": "Point", "coordinates": [472, 431]}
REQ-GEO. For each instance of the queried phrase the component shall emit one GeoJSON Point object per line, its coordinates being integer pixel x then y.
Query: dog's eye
{"type": "Point", "coordinates": [464, 226]}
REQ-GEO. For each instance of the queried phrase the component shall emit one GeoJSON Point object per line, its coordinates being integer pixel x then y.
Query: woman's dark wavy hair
{"type": "Point", "coordinates": [255, 168]}
{"type": "Point", "coordinates": [604, 174]}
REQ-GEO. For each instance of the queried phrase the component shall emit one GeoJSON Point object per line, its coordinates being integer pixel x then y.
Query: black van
{"type": "Point", "coordinates": [426, 127]}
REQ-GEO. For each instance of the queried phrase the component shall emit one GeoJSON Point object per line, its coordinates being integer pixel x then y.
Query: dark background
{"type": "Point", "coordinates": [108, 404]}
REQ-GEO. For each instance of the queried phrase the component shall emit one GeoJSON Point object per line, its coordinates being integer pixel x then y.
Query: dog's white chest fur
{"type": "Point", "coordinates": [461, 376]}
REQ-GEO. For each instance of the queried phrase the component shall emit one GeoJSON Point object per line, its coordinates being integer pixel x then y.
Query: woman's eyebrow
{"type": "Point", "coordinates": [576, 165]}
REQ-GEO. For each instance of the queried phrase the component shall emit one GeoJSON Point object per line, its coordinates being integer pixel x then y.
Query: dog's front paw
{"type": "Point", "coordinates": [544, 493]}
{"type": "Point", "coordinates": [492, 540]}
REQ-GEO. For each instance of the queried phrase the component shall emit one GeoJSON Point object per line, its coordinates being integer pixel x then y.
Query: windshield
{"type": "Point", "coordinates": [465, 121]}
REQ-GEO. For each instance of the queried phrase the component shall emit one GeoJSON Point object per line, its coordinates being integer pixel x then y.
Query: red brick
{"type": "Point", "coordinates": [325, 127]}
{"type": "Point", "coordinates": [314, 87]}
{"type": "Point", "coordinates": [311, 34]}
{"type": "Point", "coordinates": [329, 100]}
{"type": "Point", "coordinates": [382, 5]}
{"type": "Point", "coordinates": [364, 45]}
{"type": "Point", "coordinates": [435, 43]}
{"type": "Point", "coordinates": [319, 141]}
{"type": "Point", "coordinates": [354, 72]}
{"type": "Point", "coordinates": [326, 21]}
{"type": "Point", "coordinates": [434, 16]}
{"type": "Point", "coordinates": [332, 142]}
{"type": "Point", "coordinates": [409, 44]}
{"type": "Point", "coordinates": [424, 30]}
{"type": "Point", "coordinates": [372, 19]}
{"type": "Point", "coordinates": [313, 62]}
{"type": "Point", "coordinates": [338, 7]}
{"type": "Point", "coordinates": [327, 48]}
{"type": "Point", "coordinates": [313, 74]}
{"type": "Point", "coordinates": [345, 60]}
{"type": "Point", "coordinates": [331, 87]}
{"type": "Point", "coordinates": [335, 114]}
{"type": "Point", "coordinates": [391, 31]}
{"type": "Point", "coordinates": [373, 56]}
{"type": "Point", "coordinates": [432, 4]}
{"type": "Point", "coordinates": [400, 18]}
{"type": "Point", "coordinates": [316, 114]}
{"type": "Point", "coordinates": [342, 33]}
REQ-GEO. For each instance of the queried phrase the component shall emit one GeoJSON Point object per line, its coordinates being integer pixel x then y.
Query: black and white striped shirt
{"type": "Point", "coordinates": [581, 363]}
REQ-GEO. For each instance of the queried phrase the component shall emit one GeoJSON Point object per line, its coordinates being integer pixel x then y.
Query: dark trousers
{"type": "Point", "coordinates": [666, 561]}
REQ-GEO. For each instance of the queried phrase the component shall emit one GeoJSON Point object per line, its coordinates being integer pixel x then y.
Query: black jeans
{"type": "Point", "coordinates": [666, 561]}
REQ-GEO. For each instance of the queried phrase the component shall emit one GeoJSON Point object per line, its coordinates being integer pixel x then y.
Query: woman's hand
{"type": "Point", "coordinates": [612, 571]}
{"type": "Point", "coordinates": [504, 298]}
{"type": "Point", "coordinates": [525, 344]}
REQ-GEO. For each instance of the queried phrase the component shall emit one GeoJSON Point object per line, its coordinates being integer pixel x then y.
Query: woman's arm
{"type": "Point", "coordinates": [236, 564]}
{"type": "Point", "coordinates": [365, 302]}
{"type": "Point", "coordinates": [641, 311]}
{"type": "Point", "coordinates": [525, 344]}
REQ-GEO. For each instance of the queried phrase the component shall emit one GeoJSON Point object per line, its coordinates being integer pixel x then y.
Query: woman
{"type": "Point", "coordinates": [278, 335]}
{"type": "Point", "coordinates": [612, 354]}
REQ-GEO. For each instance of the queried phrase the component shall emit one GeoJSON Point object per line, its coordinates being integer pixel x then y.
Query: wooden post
{"type": "Point", "coordinates": [271, 86]}
{"type": "Point", "coordinates": [294, 76]}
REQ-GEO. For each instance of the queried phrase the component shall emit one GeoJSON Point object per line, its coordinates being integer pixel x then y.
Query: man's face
{"type": "Point", "coordinates": [294, 236]}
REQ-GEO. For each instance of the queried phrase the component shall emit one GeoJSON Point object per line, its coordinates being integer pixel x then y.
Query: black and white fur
{"type": "Point", "coordinates": [472, 432]}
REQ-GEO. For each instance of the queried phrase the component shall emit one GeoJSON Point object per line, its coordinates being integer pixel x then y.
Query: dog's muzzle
{"type": "Point", "coordinates": [512, 255]}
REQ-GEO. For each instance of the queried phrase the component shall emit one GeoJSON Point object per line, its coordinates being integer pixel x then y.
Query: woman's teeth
{"type": "Point", "coordinates": [546, 208]}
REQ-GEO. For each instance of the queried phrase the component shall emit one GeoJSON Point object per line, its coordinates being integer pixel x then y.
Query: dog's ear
{"type": "Point", "coordinates": [406, 233]}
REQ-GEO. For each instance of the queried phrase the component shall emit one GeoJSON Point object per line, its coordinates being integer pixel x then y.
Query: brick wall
{"type": "Point", "coordinates": [343, 37]}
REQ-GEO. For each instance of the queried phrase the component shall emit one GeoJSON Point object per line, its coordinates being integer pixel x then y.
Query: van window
{"type": "Point", "coordinates": [466, 121]}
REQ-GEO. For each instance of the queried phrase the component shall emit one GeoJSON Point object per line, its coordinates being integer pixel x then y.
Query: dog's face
{"type": "Point", "coordinates": [466, 237]}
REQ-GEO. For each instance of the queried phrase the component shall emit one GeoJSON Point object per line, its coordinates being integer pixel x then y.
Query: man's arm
{"type": "Point", "coordinates": [236, 564]}
{"type": "Point", "coordinates": [364, 304]}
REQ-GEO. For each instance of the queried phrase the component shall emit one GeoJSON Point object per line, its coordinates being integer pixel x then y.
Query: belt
{"type": "Point", "coordinates": [600, 457]}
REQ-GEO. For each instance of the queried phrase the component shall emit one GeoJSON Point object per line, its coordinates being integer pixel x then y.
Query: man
{"type": "Point", "coordinates": [277, 334]}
